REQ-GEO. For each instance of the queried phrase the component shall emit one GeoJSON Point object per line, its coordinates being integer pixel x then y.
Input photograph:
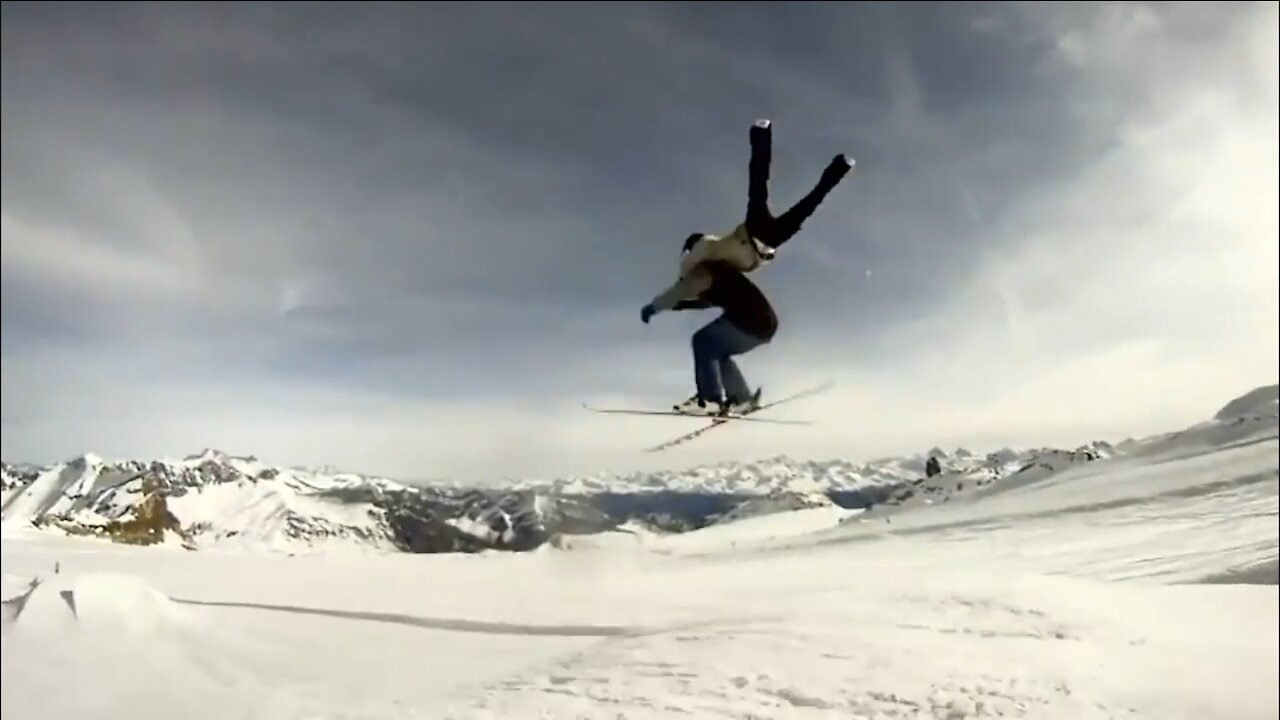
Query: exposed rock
{"type": "Point", "coordinates": [144, 523]}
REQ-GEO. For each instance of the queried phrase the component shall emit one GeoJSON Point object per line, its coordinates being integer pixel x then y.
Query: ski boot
{"type": "Point", "coordinates": [742, 407]}
{"type": "Point", "coordinates": [698, 407]}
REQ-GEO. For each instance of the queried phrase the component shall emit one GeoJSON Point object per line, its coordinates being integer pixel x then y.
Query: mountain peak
{"type": "Point", "coordinates": [214, 455]}
{"type": "Point", "coordinates": [208, 455]}
{"type": "Point", "coordinates": [1259, 402]}
{"type": "Point", "coordinates": [89, 459]}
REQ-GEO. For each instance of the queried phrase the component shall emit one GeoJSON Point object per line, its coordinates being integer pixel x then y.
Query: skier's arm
{"type": "Point", "coordinates": [693, 284]}
{"type": "Point", "coordinates": [695, 304]}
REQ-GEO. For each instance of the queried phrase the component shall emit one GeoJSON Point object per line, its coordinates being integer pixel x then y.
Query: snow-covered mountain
{"type": "Point", "coordinates": [220, 499]}
{"type": "Point", "coordinates": [216, 499]}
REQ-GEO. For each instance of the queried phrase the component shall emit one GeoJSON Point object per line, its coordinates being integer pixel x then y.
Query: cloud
{"type": "Point", "coordinates": [1134, 291]}
{"type": "Point", "coordinates": [386, 241]}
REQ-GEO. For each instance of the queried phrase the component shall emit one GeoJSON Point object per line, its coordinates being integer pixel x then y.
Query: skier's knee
{"type": "Point", "coordinates": [698, 340]}
{"type": "Point", "coordinates": [702, 341]}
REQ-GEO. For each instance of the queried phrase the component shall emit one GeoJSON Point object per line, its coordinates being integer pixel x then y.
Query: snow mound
{"type": "Point", "coordinates": [102, 603]}
{"type": "Point", "coordinates": [45, 607]}
{"type": "Point", "coordinates": [13, 586]}
{"type": "Point", "coordinates": [127, 603]}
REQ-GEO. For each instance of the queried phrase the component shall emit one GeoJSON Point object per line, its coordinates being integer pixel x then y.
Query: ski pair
{"type": "Point", "coordinates": [718, 420]}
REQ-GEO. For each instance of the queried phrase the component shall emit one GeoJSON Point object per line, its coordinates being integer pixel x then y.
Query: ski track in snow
{"type": "Point", "coordinates": [1070, 596]}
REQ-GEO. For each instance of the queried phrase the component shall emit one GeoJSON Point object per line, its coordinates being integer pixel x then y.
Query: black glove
{"type": "Point", "coordinates": [646, 312]}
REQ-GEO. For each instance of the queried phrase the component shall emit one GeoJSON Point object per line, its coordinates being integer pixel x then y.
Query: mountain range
{"type": "Point", "coordinates": [214, 499]}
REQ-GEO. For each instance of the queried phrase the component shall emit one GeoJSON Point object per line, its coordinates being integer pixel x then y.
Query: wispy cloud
{"type": "Point", "coordinates": [412, 239]}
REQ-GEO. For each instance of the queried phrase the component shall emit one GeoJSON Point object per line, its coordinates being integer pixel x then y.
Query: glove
{"type": "Point", "coordinates": [646, 312]}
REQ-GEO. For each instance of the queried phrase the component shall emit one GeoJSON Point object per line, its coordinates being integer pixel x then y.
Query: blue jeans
{"type": "Point", "coordinates": [715, 372]}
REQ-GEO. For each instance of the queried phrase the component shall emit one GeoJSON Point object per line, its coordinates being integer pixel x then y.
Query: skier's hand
{"type": "Point", "coordinates": [646, 312]}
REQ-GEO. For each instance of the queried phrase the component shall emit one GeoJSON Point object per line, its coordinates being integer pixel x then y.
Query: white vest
{"type": "Point", "coordinates": [737, 248]}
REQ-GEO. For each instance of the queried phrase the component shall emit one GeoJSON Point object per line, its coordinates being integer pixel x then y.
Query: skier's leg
{"type": "Point", "coordinates": [707, 352]}
{"type": "Point", "coordinates": [736, 389]}
{"type": "Point", "coordinates": [758, 217]}
{"type": "Point", "coordinates": [735, 342]}
{"type": "Point", "coordinates": [788, 223]}
{"type": "Point", "coordinates": [718, 377]}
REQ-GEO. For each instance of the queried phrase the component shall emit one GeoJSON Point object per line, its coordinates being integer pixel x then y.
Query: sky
{"type": "Point", "coordinates": [413, 239]}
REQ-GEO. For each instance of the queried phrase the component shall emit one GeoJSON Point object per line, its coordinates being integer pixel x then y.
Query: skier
{"type": "Point", "coordinates": [712, 273]}
{"type": "Point", "coordinates": [748, 322]}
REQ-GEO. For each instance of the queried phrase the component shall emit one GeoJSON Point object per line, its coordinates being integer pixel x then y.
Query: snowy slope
{"type": "Point", "coordinates": [1058, 597]}
{"type": "Point", "coordinates": [62, 488]}
{"type": "Point", "coordinates": [1183, 506]}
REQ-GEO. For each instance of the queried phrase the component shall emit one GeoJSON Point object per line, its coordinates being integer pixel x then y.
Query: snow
{"type": "Point", "coordinates": [1077, 594]}
{"type": "Point", "coordinates": [759, 531]}
{"type": "Point", "coordinates": [60, 484]}
{"type": "Point", "coordinates": [254, 515]}
{"type": "Point", "coordinates": [229, 501]}
{"type": "Point", "coordinates": [480, 529]}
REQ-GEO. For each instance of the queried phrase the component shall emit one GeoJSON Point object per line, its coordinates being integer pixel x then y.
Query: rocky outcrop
{"type": "Point", "coordinates": [1050, 462]}
{"type": "Point", "coordinates": [148, 522]}
{"type": "Point", "coordinates": [932, 466]}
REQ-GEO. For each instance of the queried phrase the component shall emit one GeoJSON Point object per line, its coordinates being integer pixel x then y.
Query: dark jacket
{"type": "Point", "coordinates": [743, 303]}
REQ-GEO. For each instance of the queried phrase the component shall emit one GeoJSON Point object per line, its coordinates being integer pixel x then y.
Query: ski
{"type": "Point", "coordinates": [677, 413]}
{"type": "Point", "coordinates": [718, 421]}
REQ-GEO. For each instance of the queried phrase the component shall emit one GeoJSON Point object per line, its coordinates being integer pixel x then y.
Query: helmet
{"type": "Point", "coordinates": [690, 241]}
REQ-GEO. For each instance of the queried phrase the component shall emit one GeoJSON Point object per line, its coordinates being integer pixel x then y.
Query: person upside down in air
{"type": "Point", "coordinates": [713, 274]}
